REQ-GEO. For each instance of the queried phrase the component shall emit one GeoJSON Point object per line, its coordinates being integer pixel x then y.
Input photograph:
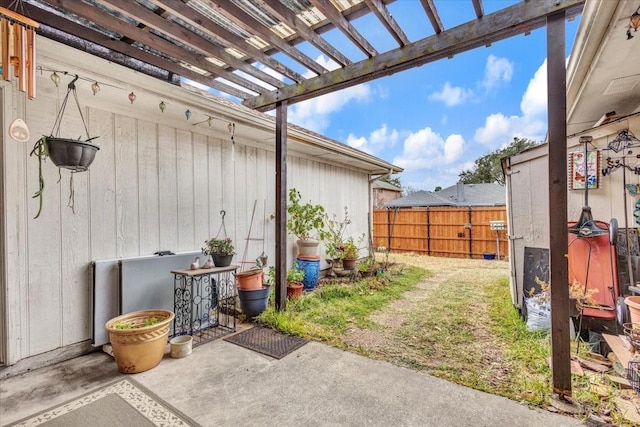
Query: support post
{"type": "Point", "coordinates": [558, 240]}
{"type": "Point", "coordinates": [281, 205]}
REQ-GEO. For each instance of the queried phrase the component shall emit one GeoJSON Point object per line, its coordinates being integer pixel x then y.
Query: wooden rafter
{"type": "Point", "coordinates": [345, 26]}
{"type": "Point", "coordinates": [66, 26]}
{"type": "Point", "coordinates": [516, 19]}
{"type": "Point", "coordinates": [477, 6]}
{"type": "Point", "coordinates": [251, 25]}
{"type": "Point", "coordinates": [286, 15]}
{"type": "Point", "coordinates": [192, 17]}
{"type": "Point", "coordinates": [381, 11]}
{"type": "Point", "coordinates": [432, 13]}
{"type": "Point", "coordinates": [107, 21]}
{"type": "Point", "coordinates": [196, 42]}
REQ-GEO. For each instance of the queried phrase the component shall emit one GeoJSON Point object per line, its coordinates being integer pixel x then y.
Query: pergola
{"type": "Point", "coordinates": [233, 46]}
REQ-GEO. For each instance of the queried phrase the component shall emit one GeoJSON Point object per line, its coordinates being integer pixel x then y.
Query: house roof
{"type": "Point", "coordinates": [384, 185]}
{"type": "Point", "coordinates": [456, 195]}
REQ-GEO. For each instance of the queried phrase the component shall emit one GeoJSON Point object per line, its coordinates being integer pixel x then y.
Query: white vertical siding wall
{"type": "Point", "coordinates": [156, 184]}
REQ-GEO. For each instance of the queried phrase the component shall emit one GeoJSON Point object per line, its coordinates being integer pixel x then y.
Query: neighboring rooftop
{"type": "Point", "coordinates": [456, 195]}
{"type": "Point", "coordinates": [385, 185]}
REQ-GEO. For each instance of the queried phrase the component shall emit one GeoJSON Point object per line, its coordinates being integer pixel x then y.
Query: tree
{"type": "Point", "coordinates": [488, 169]}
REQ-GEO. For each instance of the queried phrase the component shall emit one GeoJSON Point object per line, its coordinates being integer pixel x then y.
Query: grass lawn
{"type": "Point", "coordinates": [451, 318]}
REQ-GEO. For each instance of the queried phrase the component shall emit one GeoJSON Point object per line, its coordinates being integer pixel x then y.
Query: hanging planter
{"type": "Point", "coordinates": [73, 154]}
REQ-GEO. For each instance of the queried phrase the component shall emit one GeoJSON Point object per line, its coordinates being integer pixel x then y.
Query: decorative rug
{"type": "Point", "coordinates": [123, 403]}
{"type": "Point", "coordinates": [267, 341]}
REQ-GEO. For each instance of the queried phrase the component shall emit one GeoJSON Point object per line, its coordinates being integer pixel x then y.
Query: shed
{"type": "Point", "coordinates": [603, 108]}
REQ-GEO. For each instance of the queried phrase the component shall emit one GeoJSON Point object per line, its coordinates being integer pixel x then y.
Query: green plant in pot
{"type": "Point", "coordinates": [295, 276]}
{"type": "Point", "coordinates": [334, 236]}
{"type": "Point", "coordinates": [306, 221]}
{"type": "Point", "coordinates": [349, 253]}
{"type": "Point", "coordinates": [221, 250]}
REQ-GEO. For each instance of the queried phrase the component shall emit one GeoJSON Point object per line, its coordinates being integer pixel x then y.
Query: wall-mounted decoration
{"type": "Point", "coordinates": [584, 170]}
{"type": "Point", "coordinates": [187, 114]}
{"type": "Point", "coordinates": [19, 131]}
{"type": "Point", "coordinates": [132, 97]}
{"type": "Point", "coordinates": [162, 106]}
{"type": "Point", "coordinates": [95, 88]}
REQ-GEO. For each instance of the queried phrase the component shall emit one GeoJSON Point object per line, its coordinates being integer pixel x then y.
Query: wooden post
{"type": "Point", "coordinates": [281, 205]}
{"type": "Point", "coordinates": [558, 240]}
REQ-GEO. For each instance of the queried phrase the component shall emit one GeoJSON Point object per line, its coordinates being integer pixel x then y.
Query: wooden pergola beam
{"type": "Point", "coordinates": [517, 19]}
{"type": "Point", "coordinates": [432, 14]}
{"type": "Point", "coordinates": [381, 11]}
{"type": "Point", "coordinates": [207, 26]}
{"type": "Point", "coordinates": [59, 23]}
{"type": "Point", "coordinates": [477, 6]}
{"type": "Point", "coordinates": [249, 24]}
{"type": "Point", "coordinates": [107, 21]}
{"type": "Point", "coordinates": [341, 23]}
{"type": "Point", "coordinates": [303, 30]}
{"type": "Point", "coordinates": [160, 24]}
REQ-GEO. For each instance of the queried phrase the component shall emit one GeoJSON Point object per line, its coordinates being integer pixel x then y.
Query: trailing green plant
{"type": "Point", "coordinates": [42, 153]}
{"type": "Point", "coordinates": [218, 246]}
{"type": "Point", "coordinates": [305, 220]}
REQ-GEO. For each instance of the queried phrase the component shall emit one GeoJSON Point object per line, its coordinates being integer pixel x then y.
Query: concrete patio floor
{"type": "Point", "coordinates": [222, 384]}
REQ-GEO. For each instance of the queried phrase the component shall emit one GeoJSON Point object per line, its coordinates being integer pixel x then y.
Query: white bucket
{"type": "Point", "coordinates": [181, 346]}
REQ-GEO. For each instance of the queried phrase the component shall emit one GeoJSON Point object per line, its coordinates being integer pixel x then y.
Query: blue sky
{"type": "Point", "coordinates": [434, 120]}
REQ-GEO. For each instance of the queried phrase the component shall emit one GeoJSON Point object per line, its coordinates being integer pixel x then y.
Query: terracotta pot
{"type": "Point", "coordinates": [349, 263]}
{"type": "Point", "coordinates": [139, 348]}
{"type": "Point", "coordinates": [250, 279]}
{"type": "Point", "coordinates": [633, 302]}
{"type": "Point", "coordinates": [294, 290]}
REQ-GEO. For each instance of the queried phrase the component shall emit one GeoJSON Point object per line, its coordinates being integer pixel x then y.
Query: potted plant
{"type": "Point", "coordinates": [367, 267]}
{"type": "Point", "coordinates": [253, 291]}
{"type": "Point", "coordinates": [305, 221]}
{"type": "Point", "coordinates": [295, 276]}
{"type": "Point", "coordinates": [139, 339]}
{"type": "Point", "coordinates": [221, 250]}
{"type": "Point", "coordinates": [334, 235]}
{"type": "Point", "coordinates": [349, 254]}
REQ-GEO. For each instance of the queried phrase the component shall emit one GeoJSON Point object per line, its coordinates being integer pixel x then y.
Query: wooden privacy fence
{"type": "Point", "coordinates": [459, 232]}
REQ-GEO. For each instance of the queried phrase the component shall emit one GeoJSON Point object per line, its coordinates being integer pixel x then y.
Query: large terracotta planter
{"type": "Point", "coordinates": [249, 280]}
{"type": "Point", "coordinates": [633, 303]}
{"type": "Point", "coordinates": [139, 348]}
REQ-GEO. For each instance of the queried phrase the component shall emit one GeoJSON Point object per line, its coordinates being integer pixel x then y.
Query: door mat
{"type": "Point", "coordinates": [122, 403]}
{"type": "Point", "coordinates": [267, 341]}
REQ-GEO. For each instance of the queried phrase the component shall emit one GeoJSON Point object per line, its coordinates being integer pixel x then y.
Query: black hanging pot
{"type": "Point", "coordinates": [70, 153]}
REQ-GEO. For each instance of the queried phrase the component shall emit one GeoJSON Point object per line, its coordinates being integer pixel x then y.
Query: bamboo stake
{"type": "Point", "coordinates": [31, 63]}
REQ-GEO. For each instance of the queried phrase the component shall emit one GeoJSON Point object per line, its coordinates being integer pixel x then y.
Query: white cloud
{"type": "Point", "coordinates": [453, 148]}
{"type": "Point", "coordinates": [426, 149]}
{"type": "Point", "coordinates": [314, 114]}
{"type": "Point", "coordinates": [451, 95]}
{"type": "Point", "coordinates": [497, 70]}
{"type": "Point", "coordinates": [499, 129]}
{"type": "Point", "coordinates": [378, 140]}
